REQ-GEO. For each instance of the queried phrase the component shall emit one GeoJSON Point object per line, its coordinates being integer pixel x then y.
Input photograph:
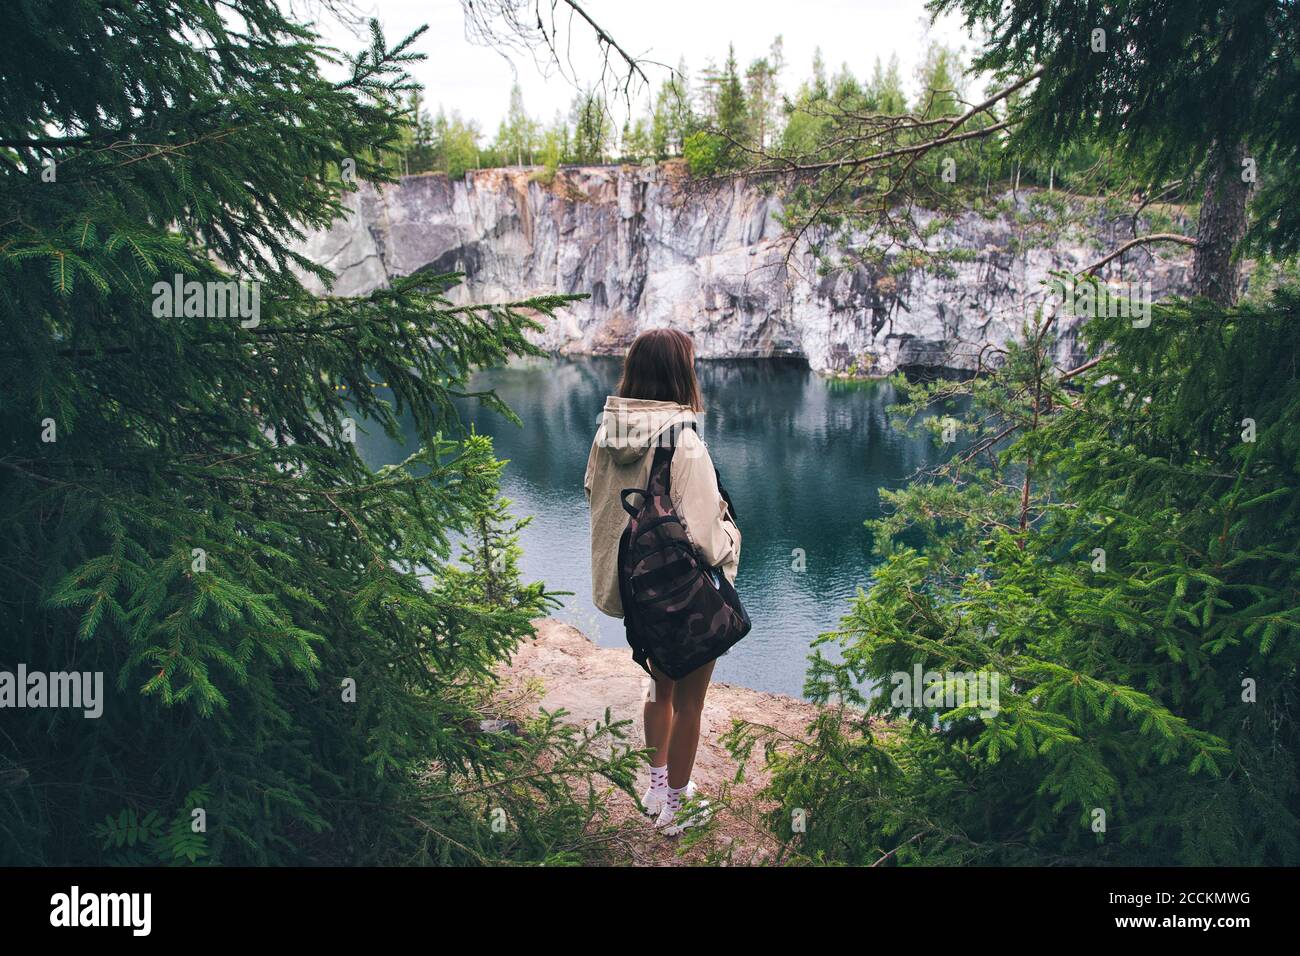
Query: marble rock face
{"type": "Point", "coordinates": [652, 249]}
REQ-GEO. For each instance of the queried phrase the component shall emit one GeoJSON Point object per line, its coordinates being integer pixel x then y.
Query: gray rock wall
{"type": "Point", "coordinates": [651, 250]}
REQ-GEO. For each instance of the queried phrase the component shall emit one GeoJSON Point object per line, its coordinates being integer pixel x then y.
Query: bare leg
{"type": "Point", "coordinates": [658, 716]}
{"type": "Point", "coordinates": [688, 703]}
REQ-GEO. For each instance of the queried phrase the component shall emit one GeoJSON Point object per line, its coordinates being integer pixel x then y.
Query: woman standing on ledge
{"type": "Point", "coordinates": [658, 402]}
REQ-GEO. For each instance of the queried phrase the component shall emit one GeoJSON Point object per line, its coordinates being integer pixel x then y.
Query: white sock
{"type": "Point", "coordinates": [674, 800]}
{"type": "Point", "coordinates": [659, 777]}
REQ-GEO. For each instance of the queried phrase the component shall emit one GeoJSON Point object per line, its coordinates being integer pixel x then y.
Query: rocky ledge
{"type": "Point", "coordinates": [560, 667]}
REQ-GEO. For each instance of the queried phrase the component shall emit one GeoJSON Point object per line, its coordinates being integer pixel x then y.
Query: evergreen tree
{"type": "Point", "coordinates": [1125, 560]}
{"type": "Point", "coordinates": [1118, 543]}
{"type": "Point", "coordinates": [673, 119]}
{"type": "Point", "coordinates": [886, 88]}
{"type": "Point", "coordinates": [454, 144]}
{"type": "Point", "coordinates": [285, 638]}
{"type": "Point", "coordinates": [554, 147]}
{"type": "Point", "coordinates": [591, 129]}
{"type": "Point", "coordinates": [635, 143]}
{"type": "Point", "coordinates": [731, 112]}
{"type": "Point", "coordinates": [805, 121]}
{"type": "Point", "coordinates": [819, 88]}
{"type": "Point", "coordinates": [517, 136]}
{"type": "Point", "coordinates": [1201, 87]}
{"type": "Point", "coordinates": [719, 147]}
{"type": "Point", "coordinates": [418, 139]}
{"type": "Point", "coordinates": [939, 77]}
{"type": "Point", "coordinates": [846, 91]}
{"type": "Point", "coordinates": [763, 95]}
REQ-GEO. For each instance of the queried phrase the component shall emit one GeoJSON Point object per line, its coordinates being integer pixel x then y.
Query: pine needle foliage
{"type": "Point", "coordinates": [1124, 552]}
{"type": "Point", "coordinates": [185, 509]}
{"type": "Point", "coordinates": [1163, 82]}
{"type": "Point", "coordinates": [1118, 543]}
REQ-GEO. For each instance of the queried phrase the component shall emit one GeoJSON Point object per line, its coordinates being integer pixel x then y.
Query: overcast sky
{"type": "Point", "coordinates": [476, 80]}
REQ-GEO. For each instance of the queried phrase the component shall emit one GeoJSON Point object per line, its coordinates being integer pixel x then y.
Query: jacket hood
{"type": "Point", "coordinates": [629, 427]}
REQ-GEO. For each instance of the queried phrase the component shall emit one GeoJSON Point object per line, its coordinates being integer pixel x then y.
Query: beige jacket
{"type": "Point", "coordinates": [621, 454]}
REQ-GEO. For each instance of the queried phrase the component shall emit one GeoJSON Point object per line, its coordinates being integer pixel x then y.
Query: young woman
{"type": "Point", "coordinates": [659, 394]}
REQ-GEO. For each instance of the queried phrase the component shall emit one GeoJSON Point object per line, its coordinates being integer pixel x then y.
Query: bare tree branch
{"type": "Point", "coordinates": [1139, 241]}
{"type": "Point", "coordinates": [534, 27]}
{"type": "Point", "coordinates": [878, 126]}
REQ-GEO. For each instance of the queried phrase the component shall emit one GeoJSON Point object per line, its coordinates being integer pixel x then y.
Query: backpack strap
{"type": "Point", "coordinates": [631, 491]}
{"type": "Point", "coordinates": [640, 653]}
{"type": "Point", "coordinates": [660, 468]}
{"type": "Point", "coordinates": [674, 432]}
{"type": "Point", "coordinates": [666, 444]}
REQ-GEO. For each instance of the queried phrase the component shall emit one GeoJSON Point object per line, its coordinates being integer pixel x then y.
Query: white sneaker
{"type": "Point", "coordinates": [672, 824]}
{"type": "Point", "coordinates": [654, 800]}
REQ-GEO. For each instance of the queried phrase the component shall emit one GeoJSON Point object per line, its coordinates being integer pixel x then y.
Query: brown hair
{"type": "Point", "coordinates": [660, 366]}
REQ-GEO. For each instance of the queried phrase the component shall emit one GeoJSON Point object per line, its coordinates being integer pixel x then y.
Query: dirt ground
{"type": "Point", "coordinates": [584, 679]}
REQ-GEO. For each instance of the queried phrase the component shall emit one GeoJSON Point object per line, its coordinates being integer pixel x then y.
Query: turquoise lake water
{"type": "Point", "coordinates": [803, 457]}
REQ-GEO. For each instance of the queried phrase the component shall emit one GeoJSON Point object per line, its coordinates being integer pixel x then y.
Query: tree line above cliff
{"type": "Point", "coordinates": [725, 118]}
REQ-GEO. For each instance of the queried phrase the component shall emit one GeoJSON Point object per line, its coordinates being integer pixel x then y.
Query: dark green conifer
{"type": "Point", "coordinates": [283, 631]}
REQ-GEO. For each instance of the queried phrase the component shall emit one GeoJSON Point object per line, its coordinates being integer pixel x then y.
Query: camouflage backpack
{"type": "Point", "coordinates": [679, 612]}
